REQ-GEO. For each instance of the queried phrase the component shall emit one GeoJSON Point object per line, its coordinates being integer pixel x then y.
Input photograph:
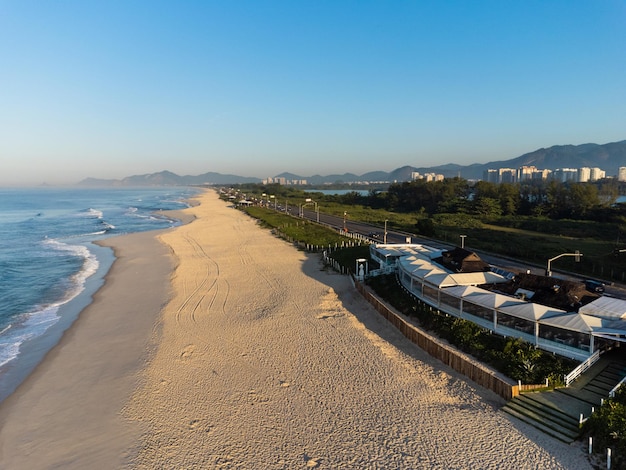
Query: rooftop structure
{"type": "Point", "coordinates": [576, 331]}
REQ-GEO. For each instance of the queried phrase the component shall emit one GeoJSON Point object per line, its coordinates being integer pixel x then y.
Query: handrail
{"type": "Point", "coordinates": [582, 367]}
{"type": "Point", "coordinates": [621, 382]}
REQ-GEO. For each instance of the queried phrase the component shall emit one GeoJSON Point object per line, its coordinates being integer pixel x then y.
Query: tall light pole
{"type": "Point", "coordinates": [463, 240]}
{"type": "Point", "coordinates": [577, 255]}
{"type": "Point", "coordinates": [345, 214]}
{"type": "Point", "coordinates": [308, 200]}
{"type": "Point", "coordinates": [385, 236]}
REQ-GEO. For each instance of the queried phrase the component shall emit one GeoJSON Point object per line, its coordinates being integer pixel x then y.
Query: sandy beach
{"type": "Point", "coordinates": [216, 345]}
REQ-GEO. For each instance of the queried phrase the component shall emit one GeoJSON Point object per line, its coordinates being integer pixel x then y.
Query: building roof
{"type": "Point", "coordinates": [603, 316]}
{"type": "Point", "coordinates": [532, 311]}
{"type": "Point", "coordinates": [606, 307]}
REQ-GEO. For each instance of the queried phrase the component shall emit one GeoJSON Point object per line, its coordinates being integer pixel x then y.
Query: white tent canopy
{"type": "Point", "coordinates": [606, 307]}
{"type": "Point", "coordinates": [531, 311]}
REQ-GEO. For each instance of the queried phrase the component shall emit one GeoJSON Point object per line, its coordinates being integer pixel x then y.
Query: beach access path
{"type": "Point", "coordinates": [247, 353]}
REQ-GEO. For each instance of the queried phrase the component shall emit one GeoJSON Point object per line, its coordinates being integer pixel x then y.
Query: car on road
{"type": "Point", "coordinates": [594, 286]}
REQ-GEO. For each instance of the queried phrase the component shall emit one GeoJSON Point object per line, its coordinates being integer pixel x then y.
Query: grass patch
{"type": "Point", "coordinates": [297, 230]}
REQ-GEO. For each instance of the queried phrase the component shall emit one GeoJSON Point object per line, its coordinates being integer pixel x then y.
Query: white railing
{"type": "Point", "coordinates": [582, 367]}
{"type": "Point", "coordinates": [612, 392]}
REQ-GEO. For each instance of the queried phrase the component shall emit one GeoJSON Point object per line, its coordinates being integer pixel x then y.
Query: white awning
{"type": "Point", "coordinates": [605, 307]}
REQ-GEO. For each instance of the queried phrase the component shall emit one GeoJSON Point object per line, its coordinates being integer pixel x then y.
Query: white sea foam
{"type": "Point", "coordinates": [27, 326]}
{"type": "Point", "coordinates": [95, 213]}
{"type": "Point", "coordinates": [89, 267]}
{"type": "Point", "coordinates": [34, 323]}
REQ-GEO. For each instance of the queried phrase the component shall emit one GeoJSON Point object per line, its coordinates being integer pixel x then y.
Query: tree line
{"type": "Point", "coordinates": [456, 195]}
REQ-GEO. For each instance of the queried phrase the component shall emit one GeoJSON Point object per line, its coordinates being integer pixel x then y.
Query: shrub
{"type": "Point", "coordinates": [607, 427]}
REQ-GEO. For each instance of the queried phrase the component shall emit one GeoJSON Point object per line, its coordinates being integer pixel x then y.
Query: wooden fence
{"type": "Point", "coordinates": [475, 371]}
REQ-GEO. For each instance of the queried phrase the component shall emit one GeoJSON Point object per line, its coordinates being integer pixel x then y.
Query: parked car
{"type": "Point", "coordinates": [594, 286]}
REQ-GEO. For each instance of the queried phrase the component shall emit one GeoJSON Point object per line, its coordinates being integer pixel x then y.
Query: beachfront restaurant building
{"type": "Point", "coordinates": [577, 335]}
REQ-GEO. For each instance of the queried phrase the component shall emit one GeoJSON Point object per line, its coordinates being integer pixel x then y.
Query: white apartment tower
{"type": "Point", "coordinates": [597, 174]}
{"type": "Point", "coordinates": [584, 174]}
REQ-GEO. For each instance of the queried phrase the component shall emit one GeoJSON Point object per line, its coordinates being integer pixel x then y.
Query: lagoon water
{"type": "Point", "coordinates": [341, 192]}
{"type": "Point", "coordinates": [50, 266]}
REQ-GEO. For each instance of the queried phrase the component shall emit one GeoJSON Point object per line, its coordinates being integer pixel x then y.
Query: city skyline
{"type": "Point", "coordinates": [106, 89]}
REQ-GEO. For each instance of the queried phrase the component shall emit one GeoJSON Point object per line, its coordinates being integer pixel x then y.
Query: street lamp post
{"type": "Point", "coordinates": [308, 200]}
{"type": "Point", "coordinates": [577, 255]}
{"type": "Point", "coordinates": [385, 236]}
{"type": "Point", "coordinates": [463, 240]}
{"type": "Point", "coordinates": [345, 214]}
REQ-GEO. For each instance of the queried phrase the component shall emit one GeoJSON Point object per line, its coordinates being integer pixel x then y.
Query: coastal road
{"type": "Point", "coordinates": [377, 234]}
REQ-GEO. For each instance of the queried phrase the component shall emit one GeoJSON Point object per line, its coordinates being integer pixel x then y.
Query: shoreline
{"type": "Point", "coordinates": [216, 345]}
{"type": "Point", "coordinates": [90, 371]}
{"type": "Point", "coordinates": [34, 351]}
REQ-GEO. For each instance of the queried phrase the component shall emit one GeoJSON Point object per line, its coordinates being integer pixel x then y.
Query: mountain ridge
{"type": "Point", "coordinates": [609, 157]}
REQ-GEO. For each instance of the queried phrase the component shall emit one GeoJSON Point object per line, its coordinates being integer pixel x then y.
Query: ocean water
{"type": "Point", "coordinates": [49, 265]}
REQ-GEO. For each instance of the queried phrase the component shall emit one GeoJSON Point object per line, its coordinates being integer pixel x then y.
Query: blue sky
{"type": "Point", "coordinates": [112, 88]}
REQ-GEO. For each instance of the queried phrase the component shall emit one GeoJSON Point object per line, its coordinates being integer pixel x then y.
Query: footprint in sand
{"type": "Point", "coordinates": [196, 423]}
{"type": "Point", "coordinates": [311, 462]}
{"type": "Point", "coordinates": [187, 352]}
{"type": "Point", "coordinates": [329, 315]}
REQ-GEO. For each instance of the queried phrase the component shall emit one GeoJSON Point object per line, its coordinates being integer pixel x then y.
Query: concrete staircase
{"type": "Point", "coordinates": [543, 415]}
{"type": "Point", "coordinates": [557, 412]}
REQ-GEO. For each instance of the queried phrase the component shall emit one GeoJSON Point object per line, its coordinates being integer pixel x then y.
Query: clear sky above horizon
{"type": "Point", "coordinates": [112, 88]}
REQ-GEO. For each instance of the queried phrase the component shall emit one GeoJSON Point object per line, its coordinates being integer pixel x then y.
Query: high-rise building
{"type": "Point", "coordinates": [525, 173]}
{"type": "Point", "coordinates": [566, 174]}
{"type": "Point", "coordinates": [507, 175]}
{"type": "Point", "coordinates": [584, 174]}
{"type": "Point", "coordinates": [621, 175]}
{"type": "Point", "coordinates": [491, 176]}
{"type": "Point", "coordinates": [597, 174]}
{"type": "Point", "coordinates": [540, 175]}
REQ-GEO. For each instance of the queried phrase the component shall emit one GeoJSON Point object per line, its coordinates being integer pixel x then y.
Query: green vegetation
{"type": "Point", "coordinates": [515, 358]}
{"type": "Point", "coordinates": [296, 230]}
{"type": "Point", "coordinates": [607, 427]}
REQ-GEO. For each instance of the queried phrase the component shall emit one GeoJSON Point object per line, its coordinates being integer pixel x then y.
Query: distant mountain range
{"type": "Point", "coordinates": [608, 157]}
